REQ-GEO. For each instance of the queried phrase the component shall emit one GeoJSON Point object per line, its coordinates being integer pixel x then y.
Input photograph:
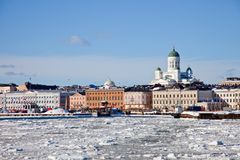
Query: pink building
{"type": "Point", "coordinates": [138, 100]}
{"type": "Point", "coordinates": [77, 101]}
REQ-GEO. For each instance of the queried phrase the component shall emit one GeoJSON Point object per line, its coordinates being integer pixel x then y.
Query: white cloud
{"type": "Point", "coordinates": [75, 39]}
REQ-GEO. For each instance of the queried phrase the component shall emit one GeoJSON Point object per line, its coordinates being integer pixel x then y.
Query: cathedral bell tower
{"type": "Point", "coordinates": [174, 64]}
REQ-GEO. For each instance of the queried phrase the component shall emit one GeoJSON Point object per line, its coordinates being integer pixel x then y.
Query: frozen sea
{"type": "Point", "coordinates": [120, 138]}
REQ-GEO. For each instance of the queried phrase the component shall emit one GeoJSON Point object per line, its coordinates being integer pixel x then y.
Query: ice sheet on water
{"type": "Point", "coordinates": [120, 138]}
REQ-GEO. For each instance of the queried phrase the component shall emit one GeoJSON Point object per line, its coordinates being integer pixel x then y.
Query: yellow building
{"type": "Point", "coordinates": [168, 99]}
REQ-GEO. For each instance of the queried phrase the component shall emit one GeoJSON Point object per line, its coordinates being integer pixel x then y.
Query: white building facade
{"type": "Point", "coordinates": [30, 99]}
{"type": "Point", "coordinates": [173, 74]}
{"type": "Point", "coordinates": [169, 99]}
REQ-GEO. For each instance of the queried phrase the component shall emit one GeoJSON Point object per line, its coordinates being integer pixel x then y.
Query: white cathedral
{"type": "Point", "coordinates": [173, 74]}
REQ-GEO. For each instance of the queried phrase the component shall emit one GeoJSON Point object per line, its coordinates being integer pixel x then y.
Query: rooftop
{"type": "Point", "coordinates": [173, 53]}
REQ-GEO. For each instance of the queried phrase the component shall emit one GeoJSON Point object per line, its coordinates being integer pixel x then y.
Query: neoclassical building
{"type": "Point", "coordinates": [171, 98]}
{"type": "Point", "coordinates": [31, 99]}
{"type": "Point", "coordinates": [173, 74]}
{"type": "Point", "coordinates": [77, 101]}
{"type": "Point", "coordinates": [108, 92]}
{"type": "Point", "coordinates": [230, 97]}
{"type": "Point", "coordinates": [138, 98]}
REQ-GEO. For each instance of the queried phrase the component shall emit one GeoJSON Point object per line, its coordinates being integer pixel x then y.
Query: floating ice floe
{"type": "Point", "coordinates": [171, 156]}
{"type": "Point", "coordinates": [216, 143]}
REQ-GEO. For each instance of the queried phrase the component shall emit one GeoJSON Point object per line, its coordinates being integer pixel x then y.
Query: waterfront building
{"type": "Point", "coordinates": [108, 92]}
{"type": "Point", "coordinates": [33, 99]}
{"type": "Point", "coordinates": [230, 97]}
{"type": "Point", "coordinates": [138, 98]}
{"type": "Point", "coordinates": [77, 101]}
{"type": "Point", "coordinates": [173, 74]}
{"type": "Point", "coordinates": [5, 88]}
{"type": "Point", "coordinates": [165, 99]}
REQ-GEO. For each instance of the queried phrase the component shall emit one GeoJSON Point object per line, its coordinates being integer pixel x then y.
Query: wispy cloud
{"type": "Point", "coordinates": [77, 40]}
{"type": "Point", "coordinates": [19, 74]}
{"type": "Point", "coordinates": [15, 74]}
{"type": "Point", "coordinates": [7, 66]}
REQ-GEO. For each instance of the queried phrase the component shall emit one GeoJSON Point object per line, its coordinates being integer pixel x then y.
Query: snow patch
{"type": "Point", "coordinates": [57, 111]}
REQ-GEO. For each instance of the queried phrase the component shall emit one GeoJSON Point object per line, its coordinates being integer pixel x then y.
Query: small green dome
{"type": "Point", "coordinates": [173, 53]}
{"type": "Point", "coordinates": [158, 69]}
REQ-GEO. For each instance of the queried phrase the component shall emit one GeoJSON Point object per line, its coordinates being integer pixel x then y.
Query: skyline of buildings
{"type": "Point", "coordinates": [158, 97]}
{"type": "Point", "coordinates": [80, 49]}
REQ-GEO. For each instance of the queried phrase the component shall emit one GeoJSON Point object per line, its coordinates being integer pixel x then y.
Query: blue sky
{"type": "Point", "coordinates": [88, 41]}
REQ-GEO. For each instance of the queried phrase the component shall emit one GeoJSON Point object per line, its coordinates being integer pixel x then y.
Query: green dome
{"type": "Point", "coordinates": [158, 69]}
{"type": "Point", "coordinates": [173, 53]}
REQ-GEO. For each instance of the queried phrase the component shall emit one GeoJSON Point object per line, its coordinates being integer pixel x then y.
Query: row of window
{"type": "Point", "coordinates": [32, 97]}
{"type": "Point", "coordinates": [174, 102]}
{"type": "Point", "coordinates": [139, 103]}
{"type": "Point", "coordinates": [104, 98]}
{"type": "Point", "coordinates": [24, 102]}
{"type": "Point", "coordinates": [3, 91]}
{"type": "Point", "coordinates": [228, 95]}
{"type": "Point", "coordinates": [229, 100]}
{"type": "Point", "coordinates": [103, 93]}
{"type": "Point", "coordinates": [76, 103]}
{"type": "Point", "coordinates": [25, 107]}
{"type": "Point", "coordinates": [174, 95]}
{"type": "Point", "coordinates": [109, 104]}
{"type": "Point", "coordinates": [77, 98]}
{"type": "Point", "coordinates": [174, 65]}
{"type": "Point", "coordinates": [135, 97]}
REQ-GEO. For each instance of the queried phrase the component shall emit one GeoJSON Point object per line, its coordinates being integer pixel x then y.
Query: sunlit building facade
{"type": "Point", "coordinates": [109, 92]}
{"type": "Point", "coordinates": [168, 99]}
{"type": "Point", "coordinates": [77, 101]}
{"type": "Point", "coordinates": [32, 99]}
{"type": "Point", "coordinates": [230, 97]}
